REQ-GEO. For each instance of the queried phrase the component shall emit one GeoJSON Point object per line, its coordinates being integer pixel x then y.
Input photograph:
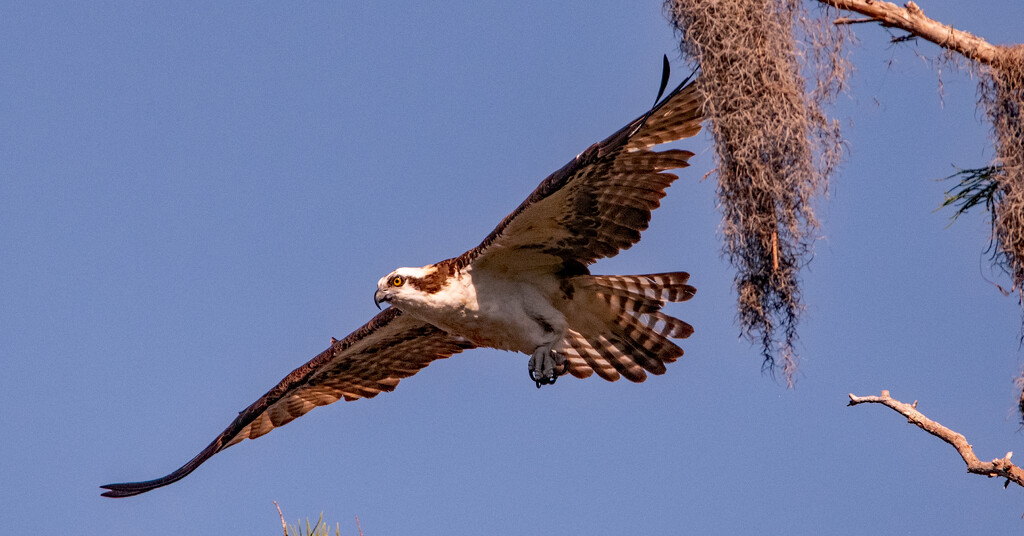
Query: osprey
{"type": "Point", "coordinates": [525, 288]}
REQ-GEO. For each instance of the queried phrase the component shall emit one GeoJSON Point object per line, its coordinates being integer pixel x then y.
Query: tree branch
{"type": "Point", "coordinates": [851, 20]}
{"type": "Point", "coordinates": [913, 20]}
{"type": "Point", "coordinates": [1000, 467]}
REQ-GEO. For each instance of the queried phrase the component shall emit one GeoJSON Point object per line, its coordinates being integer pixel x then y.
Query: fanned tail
{"type": "Point", "coordinates": [634, 337]}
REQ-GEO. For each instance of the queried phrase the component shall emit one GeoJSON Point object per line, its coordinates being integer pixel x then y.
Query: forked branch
{"type": "Point", "coordinates": [1000, 467]}
{"type": "Point", "coordinates": [911, 19]}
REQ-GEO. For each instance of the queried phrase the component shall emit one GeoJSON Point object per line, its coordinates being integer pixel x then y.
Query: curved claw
{"type": "Point", "coordinates": [543, 365]}
{"type": "Point", "coordinates": [545, 380]}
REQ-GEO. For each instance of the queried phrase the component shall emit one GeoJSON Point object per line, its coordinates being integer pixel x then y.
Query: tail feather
{"type": "Point", "coordinates": [634, 337]}
{"type": "Point", "coordinates": [618, 354]}
{"type": "Point", "coordinates": [578, 365]}
{"type": "Point", "coordinates": [594, 361]}
{"type": "Point", "coordinates": [651, 361]}
{"type": "Point", "coordinates": [657, 323]}
{"type": "Point", "coordinates": [655, 339]}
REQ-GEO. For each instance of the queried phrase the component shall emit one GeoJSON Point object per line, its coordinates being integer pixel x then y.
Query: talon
{"type": "Point", "coordinates": [543, 366]}
{"type": "Point", "coordinates": [542, 380]}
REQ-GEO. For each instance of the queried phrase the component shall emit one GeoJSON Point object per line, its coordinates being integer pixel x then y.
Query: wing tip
{"type": "Point", "coordinates": [130, 489]}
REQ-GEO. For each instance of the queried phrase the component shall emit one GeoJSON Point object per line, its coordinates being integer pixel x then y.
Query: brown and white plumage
{"type": "Point", "coordinates": [525, 288]}
{"type": "Point", "coordinates": [368, 362]}
{"type": "Point", "coordinates": [599, 202]}
{"type": "Point", "coordinates": [638, 339]}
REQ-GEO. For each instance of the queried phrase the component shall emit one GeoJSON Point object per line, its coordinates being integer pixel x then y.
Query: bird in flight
{"type": "Point", "coordinates": [525, 288]}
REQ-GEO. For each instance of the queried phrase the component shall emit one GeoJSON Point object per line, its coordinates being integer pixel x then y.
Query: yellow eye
{"type": "Point", "coordinates": [397, 281]}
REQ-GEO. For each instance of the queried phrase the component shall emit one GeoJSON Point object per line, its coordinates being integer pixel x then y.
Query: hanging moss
{"type": "Point", "coordinates": [774, 147]}
{"type": "Point", "coordinates": [1002, 99]}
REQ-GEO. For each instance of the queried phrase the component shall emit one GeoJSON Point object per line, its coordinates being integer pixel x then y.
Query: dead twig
{"type": "Point", "coordinates": [913, 20]}
{"type": "Point", "coordinates": [999, 467]}
{"type": "Point", "coordinates": [851, 20]}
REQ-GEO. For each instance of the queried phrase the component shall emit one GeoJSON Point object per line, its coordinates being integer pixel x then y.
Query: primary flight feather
{"type": "Point", "coordinates": [525, 288]}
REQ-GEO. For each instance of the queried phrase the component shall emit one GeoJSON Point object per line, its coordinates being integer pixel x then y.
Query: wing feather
{"type": "Point", "coordinates": [370, 361]}
{"type": "Point", "coordinates": [591, 208]}
{"type": "Point", "coordinates": [600, 202]}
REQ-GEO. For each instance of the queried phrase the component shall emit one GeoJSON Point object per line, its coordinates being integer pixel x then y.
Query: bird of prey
{"type": "Point", "coordinates": [525, 288]}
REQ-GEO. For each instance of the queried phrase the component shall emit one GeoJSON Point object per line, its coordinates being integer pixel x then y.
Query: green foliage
{"type": "Point", "coordinates": [979, 186]}
{"type": "Point", "coordinates": [320, 529]}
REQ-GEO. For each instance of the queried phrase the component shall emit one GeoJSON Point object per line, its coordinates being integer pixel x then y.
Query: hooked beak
{"type": "Point", "coordinates": [380, 296]}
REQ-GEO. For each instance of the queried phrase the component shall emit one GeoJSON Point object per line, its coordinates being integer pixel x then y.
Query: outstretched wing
{"type": "Point", "coordinates": [597, 204]}
{"type": "Point", "coordinates": [372, 359]}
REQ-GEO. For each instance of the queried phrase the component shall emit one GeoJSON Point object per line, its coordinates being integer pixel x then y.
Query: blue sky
{"type": "Point", "coordinates": [194, 198]}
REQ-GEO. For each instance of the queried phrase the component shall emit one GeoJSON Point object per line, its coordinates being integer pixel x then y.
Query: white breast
{"type": "Point", "coordinates": [499, 312]}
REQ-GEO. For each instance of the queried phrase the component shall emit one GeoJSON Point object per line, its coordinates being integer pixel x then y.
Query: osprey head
{"type": "Point", "coordinates": [401, 286]}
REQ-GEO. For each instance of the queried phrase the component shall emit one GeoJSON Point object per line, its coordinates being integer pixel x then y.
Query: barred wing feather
{"type": "Point", "coordinates": [597, 204]}
{"type": "Point", "coordinates": [370, 361]}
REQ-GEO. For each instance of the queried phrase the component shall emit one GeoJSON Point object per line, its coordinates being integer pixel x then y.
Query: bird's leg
{"type": "Point", "coordinates": [546, 365]}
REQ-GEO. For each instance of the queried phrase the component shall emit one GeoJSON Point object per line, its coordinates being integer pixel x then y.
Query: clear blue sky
{"type": "Point", "coordinates": [195, 198]}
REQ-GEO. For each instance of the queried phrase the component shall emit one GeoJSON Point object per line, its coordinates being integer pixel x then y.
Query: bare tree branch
{"type": "Point", "coordinates": [913, 20]}
{"type": "Point", "coordinates": [1000, 71]}
{"type": "Point", "coordinates": [1000, 467]}
{"type": "Point", "coordinates": [851, 20]}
